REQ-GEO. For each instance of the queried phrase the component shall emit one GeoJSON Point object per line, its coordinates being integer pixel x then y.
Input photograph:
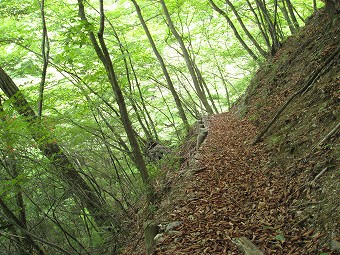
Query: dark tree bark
{"type": "Point", "coordinates": [145, 113]}
{"type": "Point", "coordinates": [8, 163]}
{"type": "Point", "coordinates": [332, 6]}
{"type": "Point", "coordinates": [260, 25]}
{"type": "Point", "coordinates": [50, 148]}
{"type": "Point", "coordinates": [286, 15]}
{"type": "Point", "coordinates": [10, 216]}
{"type": "Point", "coordinates": [272, 26]}
{"type": "Point", "coordinates": [292, 14]}
{"type": "Point", "coordinates": [187, 59]}
{"type": "Point", "coordinates": [45, 52]}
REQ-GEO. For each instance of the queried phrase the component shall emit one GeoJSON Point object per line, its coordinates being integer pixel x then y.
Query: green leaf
{"type": "Point", "coordinates": [280, 238]}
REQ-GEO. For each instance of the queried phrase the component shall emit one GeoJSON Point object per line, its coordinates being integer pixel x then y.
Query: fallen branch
{"type": "Point", "coordinates": [246, 246]}
{"type": "Point", "coordinates": [332, 132]}
{"type": "Point", "coordinates": [307, 85]}
{"type": "Point", "coordinates": [324, 139]}
{"type": "Point", "coordinates": [312, 183]}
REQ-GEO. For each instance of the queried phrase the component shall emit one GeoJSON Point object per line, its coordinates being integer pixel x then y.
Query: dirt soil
{"type": "Point", "coordinates": [282, 193]}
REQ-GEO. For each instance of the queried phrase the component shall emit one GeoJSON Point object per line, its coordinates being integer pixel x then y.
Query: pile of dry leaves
{"type": "Point", "coordinates": [237, 194]}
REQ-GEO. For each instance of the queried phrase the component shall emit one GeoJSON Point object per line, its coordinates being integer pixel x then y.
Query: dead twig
{"type": "Point", "coordinates": [312, 183]}
{"type": "Point", "coordinates": [246, 246]}
{"type": "Point", "coordinates": [332, 132]}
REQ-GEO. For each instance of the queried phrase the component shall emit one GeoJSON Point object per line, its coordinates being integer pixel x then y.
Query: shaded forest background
{"type": "Point", "coordinates": [96, 94]}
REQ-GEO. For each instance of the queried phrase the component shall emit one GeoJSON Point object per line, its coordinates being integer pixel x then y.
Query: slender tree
{"type": "Point", "coordinates": [270, 24]}
{"type": "Point", "coordinates": [236, 33]}
{"type": "Point", "coordinates": [30, 244]}
{"type": "Point", "coordinates": [260, 24]}
{"type": "Point", "coordinates": [104, 56]}
{"type": "Point", "coordinates": [187, 59]}
{"type": "Point", "coordinates": [246, 31]}
{"type": "Point", "coordinates": [45, 52]}
{"type": "Point", "coordinates": [50, 148]}
{"type": "Point", "coordinates": [292, 14]}
{"type": "Point", "coordinates": [163, 67]}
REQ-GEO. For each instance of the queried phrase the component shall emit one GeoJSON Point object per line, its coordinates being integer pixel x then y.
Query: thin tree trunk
{"type": "Point", "coordinates": [286, 15]}
{"type": "Point", "coordinates": [149, 120]}
{"type": "Point", "coordinates": [314, 6]}
{"type": "Point", "coordinates": [163, 67]}
{"type": "Point", "coordinates": [292, 15]}
{"type": "Point", "coordinates": [104, 56]}
{"type": "Point", "coordinates": [231, 24]}
{"type": "Point", "coordinates": [135, 105]}
{"type": "Point", "coordinates": [45, 48]}
{"type": "Point", "coordinates": [50, 148]}
{"type": "Point", "coordinates": [195, 106]}
{"type": "Point", "coordinates": [10, 216]}
{"type": "Point", "coordinates": [9, 164]}
{"type": "Point", "coordinates": [205, 87]}
{"type": "Point", "coordinates": [260, 26]}
{"type": "Point", "coordinates": [251, 38]}
{"type": "Point", "coordinates": [271, 26]}
{"type": "Point", "coordinates": [187, 59]}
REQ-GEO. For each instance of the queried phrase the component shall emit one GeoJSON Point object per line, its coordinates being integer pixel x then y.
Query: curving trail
{"type": "Point", "coordinates": [237, 194]}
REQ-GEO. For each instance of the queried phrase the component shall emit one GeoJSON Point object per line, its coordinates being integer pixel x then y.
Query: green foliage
{"type": "Point", "coordinates": [80, 112]}
{"type": "Point", "coordinates": [274, 140]}
{"type": "Point", "coordinates": [280, 238]}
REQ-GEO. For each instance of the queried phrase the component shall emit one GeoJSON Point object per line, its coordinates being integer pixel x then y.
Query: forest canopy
{"type": "Point", "coordinates": [90, 88]}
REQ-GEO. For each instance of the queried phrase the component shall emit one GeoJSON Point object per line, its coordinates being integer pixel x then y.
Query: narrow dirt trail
{"type": "Point", "coordinates": [236, 194]}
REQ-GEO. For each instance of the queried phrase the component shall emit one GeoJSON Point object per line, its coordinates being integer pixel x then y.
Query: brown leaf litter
{"type": "Point", "coordinates": [237, 194]}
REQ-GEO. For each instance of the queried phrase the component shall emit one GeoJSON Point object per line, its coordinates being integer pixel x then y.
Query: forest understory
{"type": "Point", "coordinates": [276, 189]}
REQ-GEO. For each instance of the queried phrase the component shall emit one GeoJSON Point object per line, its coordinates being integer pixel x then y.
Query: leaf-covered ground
{"type": "Point", "coordinates": [235, 194]}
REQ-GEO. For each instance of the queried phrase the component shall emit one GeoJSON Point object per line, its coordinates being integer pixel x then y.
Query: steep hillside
{"type": "Point", "coordinates": [303, 139]}
{"type": "Point", "coordinates": [266, 178]}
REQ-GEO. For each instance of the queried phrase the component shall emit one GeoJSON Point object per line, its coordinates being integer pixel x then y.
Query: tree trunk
{"type": "Point", "coordinates": [292, 15]}
{"type": "Point", "coordinates": [231, 24]}
{"type": "Point", "coordinates": [332, 7]}
{"type": "Point", "coordinates": [136, 107]}
{"type": "Point", "coordinates": [270, 24]}
{"type": "Point", "coordinates": [251, 38]}
{"type": "Point", "coordinates": [9, 164]}
{"type": "Point", "coordinates": [163, 66]}
{"type": "Point", "coordinates": [187, 59]}
{"type": "Point", "coordinates": [10, 216]}
{"type": "Point", "coordinates": [260, 25]}
{"type": "Point", "coordinates": [104, 56]}
{"type": "Point", "coordinates": [45, 52]}
{"type": "Point", "coordinates": [50, 148]}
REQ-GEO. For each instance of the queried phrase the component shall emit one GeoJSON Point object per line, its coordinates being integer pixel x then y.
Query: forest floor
{"type": "Point", "coordinates": [232, 193]}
